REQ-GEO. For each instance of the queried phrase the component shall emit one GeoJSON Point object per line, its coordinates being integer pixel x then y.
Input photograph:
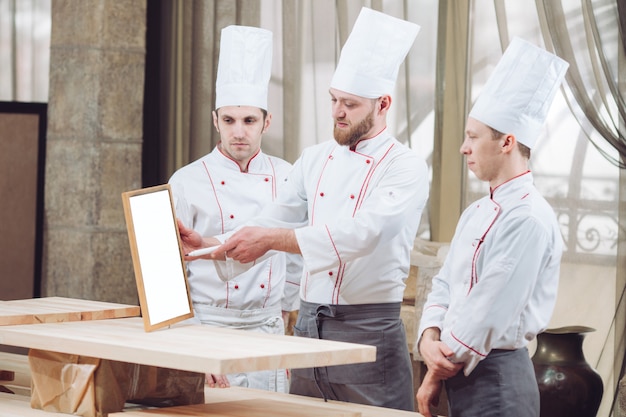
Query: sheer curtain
{"type": "Point", "coordinates": [24, 50]}
{"type": "Point", "coordinates": [312, 33]}
{"type": "Point", "coordinates": [308, 35]}
{"type": "Point", "coordinates": [579, 33]}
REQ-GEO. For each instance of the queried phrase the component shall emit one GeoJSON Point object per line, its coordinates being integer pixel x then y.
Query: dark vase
{"type": "Point", "coordinates": [568, 385]}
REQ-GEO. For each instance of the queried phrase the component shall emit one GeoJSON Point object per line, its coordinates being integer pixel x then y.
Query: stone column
{"type": "Point", "coordinates": [94, 145]}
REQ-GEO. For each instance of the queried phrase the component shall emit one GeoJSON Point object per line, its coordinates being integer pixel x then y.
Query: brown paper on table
{"type": "Point", "coordinates": [92, 387]}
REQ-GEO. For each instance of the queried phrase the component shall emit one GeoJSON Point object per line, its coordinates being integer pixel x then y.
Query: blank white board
{"type": "Point", "coordinates": [157, 256]}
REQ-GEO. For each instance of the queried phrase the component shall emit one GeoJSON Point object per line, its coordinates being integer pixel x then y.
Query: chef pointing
{"type": "Point", "coordinates": [497, 287]}
{"type": "Point", "coordinates": [352, 207]}
{"type": "Point", "coordinates": [220, 191]}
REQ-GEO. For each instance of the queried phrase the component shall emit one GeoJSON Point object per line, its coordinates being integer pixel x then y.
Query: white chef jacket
{"type": "Point", "coordinates": [212, 196]}
{"type": "Point", "coordinates": [497, 287]}
{"type": "Point", "coordinates": [360, 209]}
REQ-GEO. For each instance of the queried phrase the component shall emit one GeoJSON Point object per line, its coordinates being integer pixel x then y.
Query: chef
{"type": "Point", "coordinates": [497, 287]}
{"type": "Point", "coordinates": [361, 197]}
{"type": "Point", "coordinates": [220, 191]}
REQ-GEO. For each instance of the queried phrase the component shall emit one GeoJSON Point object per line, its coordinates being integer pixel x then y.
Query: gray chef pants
{"type": "Point", "coordinates": [388, 382]}
{"type": "Point", "coordinates": [503, 384]}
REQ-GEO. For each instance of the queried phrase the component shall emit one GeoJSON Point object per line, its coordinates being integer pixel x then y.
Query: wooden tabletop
{"type": "Point", "coordinates": [184, 346]}
{"type": "Point", "coordinates": [248, 402]}
{"type": "Point", "coordinates": [59, 309]}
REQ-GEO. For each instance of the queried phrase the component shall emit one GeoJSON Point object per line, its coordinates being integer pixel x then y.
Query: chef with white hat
{"type": "Point", "coordinates": [220, 191]}
{"type": "Point", "coordinates": [360, 197]}
{"type": "Point", "coordinates": [497, 288]}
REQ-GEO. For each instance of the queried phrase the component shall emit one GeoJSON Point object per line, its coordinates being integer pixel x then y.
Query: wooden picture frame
{"type": "Point", "coordinates": [157, 254]}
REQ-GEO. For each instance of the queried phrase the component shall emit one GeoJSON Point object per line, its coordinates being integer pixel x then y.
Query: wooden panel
{"type": "Point", "coordinates": [239, 397]}
{"type": "Point", "coordinates": [60, 309]}
{"type": "Point", "coordinates": [22, 135]}
{"type": "Point", "coordinates": [184, 346]}
{"type": "Point", "coordinates": [249, 408]}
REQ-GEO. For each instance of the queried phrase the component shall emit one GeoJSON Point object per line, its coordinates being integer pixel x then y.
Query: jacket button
{"type": "Point", "coordinates": [232, 216]}
{"type": "Point", "coordinates": [330, 273]}
{"type": "Point", "coordinates": [322, 194]}
{"type": "Point", "coordinates": [223, 182]}
{"type": "Point", "coordinates": [262, 285]}
{"type": "Point", "coordinates": [368, 162]}
{"type": "Point", "coordinates": [236, 286]}
{"type": "Point", "coordinates": [267, 180]}
{"type": "Point", "coordinates": [352, 196]}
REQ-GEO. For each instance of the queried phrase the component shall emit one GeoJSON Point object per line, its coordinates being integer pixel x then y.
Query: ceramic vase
{"type": "Point", "coordinates": [568, 385]}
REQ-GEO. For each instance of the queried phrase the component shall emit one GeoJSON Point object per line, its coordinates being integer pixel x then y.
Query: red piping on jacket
{"type": "Point", "coordinates": [468, 347]}
{"type": "Point", "coordinates": [368, 179]}
{"type": "Point", "coordinates": [215, 194]}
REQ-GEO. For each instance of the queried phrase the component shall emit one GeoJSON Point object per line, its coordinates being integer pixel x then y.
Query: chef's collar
{"type": "Point", "coordinates": [511, 184]}
{"type": "Point", "coordinates": [365, 144]}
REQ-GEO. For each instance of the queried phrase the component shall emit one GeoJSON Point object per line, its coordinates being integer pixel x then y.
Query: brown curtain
{"type": "Point", "coordinates": [189, 50]}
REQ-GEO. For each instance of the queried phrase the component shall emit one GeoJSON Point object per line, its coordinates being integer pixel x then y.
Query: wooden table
{"type": "Point", "coordinates": [187, 347]}
{"type": "Point", "coordinates": [196, 348]}
{"type": "Point", "coordinates": [60, 309]}
{"type": "Point", "coordinates": [248, 402]}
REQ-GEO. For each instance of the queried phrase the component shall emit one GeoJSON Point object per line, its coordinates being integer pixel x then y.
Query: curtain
{"type": "Point", "coordinates": [588, 36]}
{"type": "Point", "coordinates": [24, 50]}
{"type": "Point", "coordinates": [580, 36]}
{"type": "Point", "coordinates": [183, 51]}
{"type": "Point", "coordinates": [308, 35]}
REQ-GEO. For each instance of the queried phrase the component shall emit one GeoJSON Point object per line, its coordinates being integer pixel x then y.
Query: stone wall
{"type": "Point", "coordinates": [94, 145]}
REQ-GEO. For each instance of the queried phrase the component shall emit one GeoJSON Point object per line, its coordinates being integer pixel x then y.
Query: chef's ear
{"type": "Point", "coordinates": [509, 142]}
{"type": "Point", "coordinates": [267, 122]}
{"type": "Point", "coordinates": [214, 113]}
{"type": "Point", "coordinates": [384, 102]}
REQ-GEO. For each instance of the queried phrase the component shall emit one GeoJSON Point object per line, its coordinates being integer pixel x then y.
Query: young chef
{"type": "Point", "coordinates": [497, 287]}
{"type": "Point", "coordinates": [220, 191]}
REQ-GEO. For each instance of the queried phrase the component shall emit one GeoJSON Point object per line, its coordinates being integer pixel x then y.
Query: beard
{"type": "Point", "coordinates": [353, 135]}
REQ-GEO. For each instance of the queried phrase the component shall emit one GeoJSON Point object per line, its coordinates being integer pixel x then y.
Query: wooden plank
{"type": "Point", "coordinates": [60, 309]}
{"type": "Point", "coordinates": [12, 405]}
{"type": "Point", "coordinates": [185, 346]}
{"type": "Point", "coordinates": [248, 408]}
{"type": "Point", "coordinates": [239, 397]}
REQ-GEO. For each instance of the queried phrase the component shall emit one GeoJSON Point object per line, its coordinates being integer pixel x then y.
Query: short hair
{"type": "Point", "coordinates": [524, 150]}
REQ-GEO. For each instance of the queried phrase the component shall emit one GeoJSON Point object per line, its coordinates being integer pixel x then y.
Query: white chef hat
{"type": "Point", "coordinates": [372, 55]}
{"type": "Point", "coordinates": [519, 92]}
{"type": "Point", "coordinates": [244, 67]}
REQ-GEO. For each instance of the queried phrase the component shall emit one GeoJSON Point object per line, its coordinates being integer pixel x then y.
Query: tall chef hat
{"type": "Point", "coordinates": [244, 68]}
{"type": "Point", "coordinates": [519, 92]}
{"type": "Point", "coordinates": [372, 55]}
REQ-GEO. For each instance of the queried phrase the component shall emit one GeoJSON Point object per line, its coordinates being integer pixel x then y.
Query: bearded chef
{"type": "Point", "coordinates": [360, 197]}
{"type": "Point", "coordinates": [497, 287]}
{"type": "Point", "coordinates": [220, 191]}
